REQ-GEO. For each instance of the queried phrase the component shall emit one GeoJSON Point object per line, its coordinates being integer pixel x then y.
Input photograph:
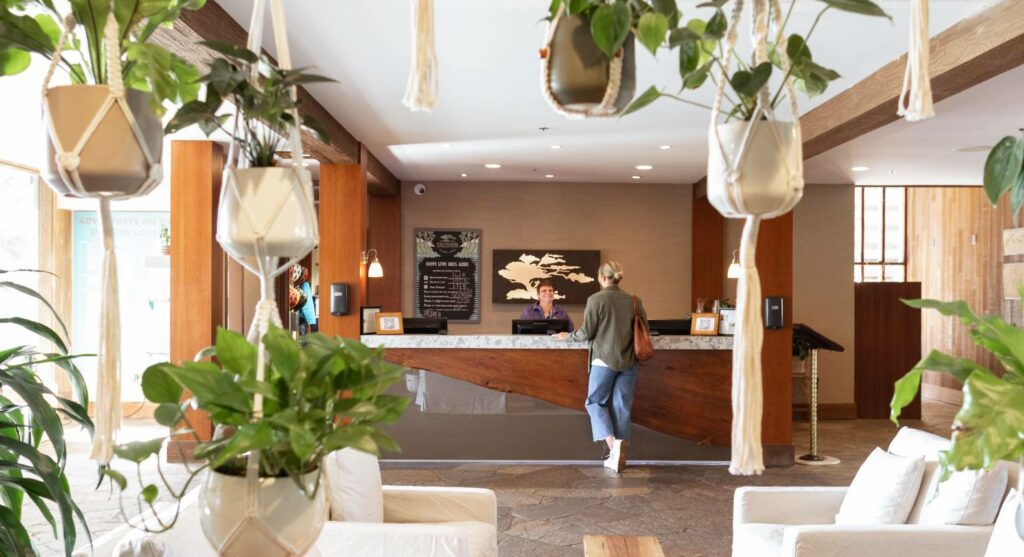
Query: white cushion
{"type": "Point", "coordinates": [915, 443]}
{"type": "Point", "coordinates": [1005, 542]}
{"type": "Point", "coordinates": [483, 537]}
{"type": "Point", "coordinates": [354, 486]}
{"type": "Point", "coordinates": [931, 475]}
{"type": "Point", "coordinates": [968, 497]}
{"type": "Point", "coordinates": [752, 538]}
{"type": "Point", "coordinates": [883, 491]}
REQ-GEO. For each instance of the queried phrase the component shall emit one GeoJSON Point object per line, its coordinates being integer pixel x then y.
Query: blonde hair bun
{"type": "Point", "coordinates": [611, 270]}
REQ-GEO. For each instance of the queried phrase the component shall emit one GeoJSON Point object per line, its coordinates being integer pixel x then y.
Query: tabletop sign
{"type": "Point", "coordinates": [447, 281]}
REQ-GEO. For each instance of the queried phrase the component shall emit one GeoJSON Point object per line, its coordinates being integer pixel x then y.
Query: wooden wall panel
{"type": "Point", "coordinates": [385, 235]}
{"type": "Point", "coordinates": [707, 266]}
{"type": "Point", "coordinates": [197, 261]}
{"type": "Point", "coordinates": [343, 224]}
{"type": "Point", "coordinates": [954, 240]}
{"type": "Point", "coordinates": [775, 265]}
{"type": "Point", "coordinates": [887, 342]}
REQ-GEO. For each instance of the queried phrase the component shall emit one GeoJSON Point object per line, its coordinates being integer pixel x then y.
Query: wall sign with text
{"type": "Point", "coordinates": [447, 274]}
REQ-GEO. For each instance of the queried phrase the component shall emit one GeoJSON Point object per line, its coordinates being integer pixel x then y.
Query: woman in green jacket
{"type": "Point", "coordinates": [608, 325]}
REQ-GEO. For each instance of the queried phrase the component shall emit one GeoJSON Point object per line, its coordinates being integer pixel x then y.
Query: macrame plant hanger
{"type": "Point", "coordinates": [606, 108]}
{"type": "Point", "coordinates": [916, 96]}
{"type": "Point", "coordinates": [265, 267]}
{"type": "Point", "coordinates": [421, 90]}
{"type": "Point", "coordinates": [747, 395]}
{"type": "Point", "coordinates": [108, 393]}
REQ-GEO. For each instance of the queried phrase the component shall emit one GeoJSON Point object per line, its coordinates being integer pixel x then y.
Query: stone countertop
{"type": "Point", "coordinates": [673, 342]}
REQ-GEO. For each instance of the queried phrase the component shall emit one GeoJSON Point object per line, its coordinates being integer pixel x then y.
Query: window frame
{"type": "Point", "coordinates": [858, 193]}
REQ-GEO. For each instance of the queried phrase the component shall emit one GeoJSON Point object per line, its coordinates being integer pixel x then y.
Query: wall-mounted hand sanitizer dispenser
{"type": "Point", "coordinates": [339, 298]}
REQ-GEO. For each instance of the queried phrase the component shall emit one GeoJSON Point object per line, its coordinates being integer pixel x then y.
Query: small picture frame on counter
{"type": "Point", "coordinates": [727, 322]}
{"type": "Point", "coordinates": [704, 324]}
{"type": "Point", "coordinates": [368, 320]}
{"type": "Point", "coordinates": [389, 323]}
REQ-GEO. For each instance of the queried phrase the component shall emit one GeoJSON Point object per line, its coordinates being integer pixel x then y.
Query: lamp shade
{"type": "Point", "coordinates": [734, 268]}
{"type": "Point", "coordinates": [375, 271]}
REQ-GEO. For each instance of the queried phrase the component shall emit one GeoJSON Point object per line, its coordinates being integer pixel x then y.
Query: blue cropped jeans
{"type": "Point", "coordinates": [610, 401]}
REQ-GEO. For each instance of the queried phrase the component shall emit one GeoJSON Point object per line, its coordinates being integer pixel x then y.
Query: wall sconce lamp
{"type": "Point", "coordinates": [375, 270]}
{"type": "Point", "coordinates": [734, 267]}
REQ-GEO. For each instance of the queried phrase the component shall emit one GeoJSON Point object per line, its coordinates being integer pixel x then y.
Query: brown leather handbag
{"type": "Point", "coordinates": [643, 347]}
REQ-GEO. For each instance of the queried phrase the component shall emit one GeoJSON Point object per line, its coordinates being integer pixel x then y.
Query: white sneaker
{"type": "Point", "coordinates": [617, 459]}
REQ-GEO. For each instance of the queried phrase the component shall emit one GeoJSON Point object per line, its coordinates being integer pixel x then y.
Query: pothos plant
{"type": "Point", "coordinates": [1004, 173]}
{"type": "Point", "coordinates": [659, 25]}
{"type": "Point", "coordinates": [319, 396]}
{"type": "Point", "coordinates": [34, 26]}
{"type": "Point", "coordinates": [990, 425]}
{"type": "Point", "coordinates": [266, 105]}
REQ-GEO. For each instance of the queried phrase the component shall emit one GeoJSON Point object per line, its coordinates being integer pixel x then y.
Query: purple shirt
{"type": "Point", "coordinates": [536, 312]}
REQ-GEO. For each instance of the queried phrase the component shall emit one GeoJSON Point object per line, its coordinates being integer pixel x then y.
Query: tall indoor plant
{"type": "Point", "coordinates": [320, 395]}
{"type": "Point", "coordinates": [27, 418]}
{"type": "Point", "coordinates": [259, 199]}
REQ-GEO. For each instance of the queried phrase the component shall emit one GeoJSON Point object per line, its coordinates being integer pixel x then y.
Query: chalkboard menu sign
{"type": "Point", "coordinates": [447, 281]}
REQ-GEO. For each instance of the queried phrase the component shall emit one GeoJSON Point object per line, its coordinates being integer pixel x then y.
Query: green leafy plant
{"type": "Point", "coordinates": [165, 236]}
{"type": "Point", "coordinates": [990, 425]}
{"type": "Point", "coordinates": [1004, 173]}
{"type": "Point", "coordinates": [27, 419]}
{"type": "Point", "coordinates": [660, 25]}
{"type": "Point", "coordinates": [34, 26]}
{"type": "Point", "coordinates": [266, 104]}
{"type": "Point", "coordinates": [318, 397]}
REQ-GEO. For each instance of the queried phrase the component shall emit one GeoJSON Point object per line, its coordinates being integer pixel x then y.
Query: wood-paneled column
{"type": "Point", "coordinates": [197, 263]}
{"type": "Point", "coordinates": [385, 236]}
{"type": "Point", "coordinates": [775, 265]}
{"type": "Point", "coordinates": [343, 224]}
{"type": "Point", "coordinates": [707, 270]}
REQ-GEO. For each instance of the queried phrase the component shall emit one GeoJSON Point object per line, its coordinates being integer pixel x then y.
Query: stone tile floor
{"type": "Point", "coordinates": [546, 510]}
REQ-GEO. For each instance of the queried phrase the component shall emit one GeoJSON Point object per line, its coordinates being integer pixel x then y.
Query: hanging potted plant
{"type": "Point", "coordinates": [102, 132]}
{"type": "Point", "coordinates": [259, 200]}
{"type": "Point", "coordinates": [588, 63]}
{"type": "Point", "coordinates": [318, 396]}
{"type": "Point", "coordinates": [1004, 174]}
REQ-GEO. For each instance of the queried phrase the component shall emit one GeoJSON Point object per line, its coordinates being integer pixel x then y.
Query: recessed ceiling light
{"type": "Point", "coordinates": [556, 147]}
{"type": "Point", "coordinates": [644, 167]}
{"type": "Point", "coordinates": [892, 172]}
{"type": "Point", "coordinates": [665, 147]}
{"type": "Point", "coordinates": [492, 165]}
{"type": "Point", "coordinates": [549, 175]}
{"type": "Point", "coordinates": [446, 145]}
{"type": "Point", "coordinates": [463, 174]}
{"type": "Point", "coordinates": [860, 169]}
{"type": "Point", "coordinates": [636, 177]}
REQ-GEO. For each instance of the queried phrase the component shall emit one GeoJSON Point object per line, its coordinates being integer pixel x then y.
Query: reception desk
{"type": "Point", "coordinates": [683, 392]}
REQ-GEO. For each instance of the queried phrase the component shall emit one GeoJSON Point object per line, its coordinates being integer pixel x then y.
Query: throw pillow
{"type": "Point", "coordinates": [883, 491]}
{"type": "Point", "coordinates": [1005, 542]}
{"type": "Point", "coordinates": [968, 497]}
{"type": "Point", "coordinates": [355, 490]}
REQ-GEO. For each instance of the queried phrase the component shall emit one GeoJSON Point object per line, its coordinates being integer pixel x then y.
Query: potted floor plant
{"type": "Point", "coordinates": [319, 396]}
{"type": "Point", "coordinates": [29, 474]}
{"type": "Point", "coordinates": [103, 131]}
{"type": "Point", "coordinates": [259, 200]}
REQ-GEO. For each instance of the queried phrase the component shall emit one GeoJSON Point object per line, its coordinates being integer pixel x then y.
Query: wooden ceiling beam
{"type": "Point", "coordinates": [971, 51]}
{"type": "Point", "coordinates": [212, 23]}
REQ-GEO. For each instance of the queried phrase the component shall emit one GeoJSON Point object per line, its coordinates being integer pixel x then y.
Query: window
{"type": "Point", "coordinates": [880, 234]}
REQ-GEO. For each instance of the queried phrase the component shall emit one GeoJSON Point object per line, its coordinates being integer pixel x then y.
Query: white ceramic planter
{"type": "Point", "coordinates": [274, 202]}
{"type": "Point", "coordinates": [769, 179]}
{"type": "Point", "coordinates": [284, 514]}
{"type": "Point", "coordinates": [112, 161]}
{"type": "Point", "coordinates": [580, 71]}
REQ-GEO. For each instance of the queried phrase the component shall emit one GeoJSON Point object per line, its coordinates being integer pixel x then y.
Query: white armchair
{"type": "Point", "coordinates": [800, 521]}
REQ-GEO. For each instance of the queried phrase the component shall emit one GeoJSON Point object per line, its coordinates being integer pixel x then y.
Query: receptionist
{"type": "Point", "coordinates": [545, 307]}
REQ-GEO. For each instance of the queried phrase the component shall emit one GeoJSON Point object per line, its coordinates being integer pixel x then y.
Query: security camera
{"type": "Point", "coordinates": [419, 189]}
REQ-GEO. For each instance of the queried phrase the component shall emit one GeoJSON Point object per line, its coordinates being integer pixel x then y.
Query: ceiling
{"type": "Point", "coordinates": [491, 110]}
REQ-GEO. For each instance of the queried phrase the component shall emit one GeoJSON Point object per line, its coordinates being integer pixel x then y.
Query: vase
{"type": "Point", "coordinates": [285, 522]}
{"type": "Point", "coordinates": [112, 161]}
{"type": "Point", "coordinates": [273, 203]}
{"type": "Point", "coordinates": [767, 180]}
{"type": "Point", "coordinates": [579, 70]}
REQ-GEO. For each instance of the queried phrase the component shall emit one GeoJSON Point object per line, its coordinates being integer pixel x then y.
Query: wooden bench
{"type": "Point", "coordinates": [621, 546]}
